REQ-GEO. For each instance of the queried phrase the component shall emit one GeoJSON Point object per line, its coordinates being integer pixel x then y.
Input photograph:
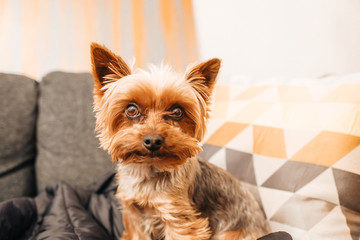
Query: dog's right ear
{"type": "Point", "coordinates": [107, 67]}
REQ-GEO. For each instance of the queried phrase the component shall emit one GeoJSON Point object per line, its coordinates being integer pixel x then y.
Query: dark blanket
{"type": "Point", "coordinates": [67, 212]}
{"type": "Point", "coordinates": [64, 212]}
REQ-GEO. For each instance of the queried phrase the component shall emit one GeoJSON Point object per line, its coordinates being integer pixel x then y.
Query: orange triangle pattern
{"type": "Point", "coordinates": [269, 141]}
{"type": "Point", "coordinates": [226, 133]}
{"type": "Point", "coordinates": [348, 92]}
{"type": "Point", "coordinates": [327, 148]}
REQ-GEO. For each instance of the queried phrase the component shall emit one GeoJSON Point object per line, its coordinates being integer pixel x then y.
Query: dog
{"type": "Point", "coordinates": [151, 123]}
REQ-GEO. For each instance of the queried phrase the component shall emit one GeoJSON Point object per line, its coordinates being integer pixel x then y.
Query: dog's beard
{"type": "Point", "coordinates": [127, 147]}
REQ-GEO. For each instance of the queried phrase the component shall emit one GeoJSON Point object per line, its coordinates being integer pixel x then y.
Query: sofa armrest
{"type": "Point", "coordinates": [18, 110]}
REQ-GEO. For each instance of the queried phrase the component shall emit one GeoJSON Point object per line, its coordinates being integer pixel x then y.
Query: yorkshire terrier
{"type": "Point", "coordinates": [151, 122]}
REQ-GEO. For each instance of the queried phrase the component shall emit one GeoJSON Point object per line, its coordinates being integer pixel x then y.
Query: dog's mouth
{"type": "Point", "coordinates": [140, 156]}
{"type": "Point", "coordinates": [161, 160]}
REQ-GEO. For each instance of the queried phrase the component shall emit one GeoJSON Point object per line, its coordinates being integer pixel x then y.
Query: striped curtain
{"type": "Point", "coordinates": [39, 36]}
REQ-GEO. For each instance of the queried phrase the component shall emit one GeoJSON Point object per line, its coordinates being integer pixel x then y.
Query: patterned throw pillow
{"type": "Point", "coordinates": [296, 145]}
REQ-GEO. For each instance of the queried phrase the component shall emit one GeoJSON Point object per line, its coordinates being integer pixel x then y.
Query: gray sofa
{"type": "Point", "coordinates": [47, 134]}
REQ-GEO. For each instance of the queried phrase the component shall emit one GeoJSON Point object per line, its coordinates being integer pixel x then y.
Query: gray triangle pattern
{"type": "Point", "coordinates": [353, 222]}
{"type": "Point", "coordinates": [293, 175]}
{"type": "Point", "coordinates": [302, 212]}
{"type": "Point", "coordinates": [241, 165]}
{"type": "Point", "coordinates": [208, 151]}
{"type": "Point", "coordinates": [348, 186]}
{"type": "Point", "coordinates": [298, 212]}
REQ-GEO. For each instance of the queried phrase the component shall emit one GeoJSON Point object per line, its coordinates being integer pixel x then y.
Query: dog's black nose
{"type": "Point", "coordinates": [153, 142]}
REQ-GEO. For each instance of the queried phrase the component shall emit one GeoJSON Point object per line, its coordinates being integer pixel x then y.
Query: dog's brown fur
{"type": "Point", "coordinates": [168, 193]}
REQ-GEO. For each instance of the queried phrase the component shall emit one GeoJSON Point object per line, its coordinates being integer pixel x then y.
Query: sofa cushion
{"type": "Point", "coordinates": [68, 149]}
{"type": "Point", "coordinates": [296, 144]}
{"type": "Point", "coordinates": [18, 104]}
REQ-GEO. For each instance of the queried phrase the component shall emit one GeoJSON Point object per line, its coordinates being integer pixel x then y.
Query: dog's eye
{"type": "Point", "coordinates": [132, 111]}
{"type": "Point", "coordinates": [176, 113]}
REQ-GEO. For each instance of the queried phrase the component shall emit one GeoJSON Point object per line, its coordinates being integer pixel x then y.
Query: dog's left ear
{"type": "Point", "coordinates": [202, 77]}
{"type": "Point", "coordinates": [107, 67]}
